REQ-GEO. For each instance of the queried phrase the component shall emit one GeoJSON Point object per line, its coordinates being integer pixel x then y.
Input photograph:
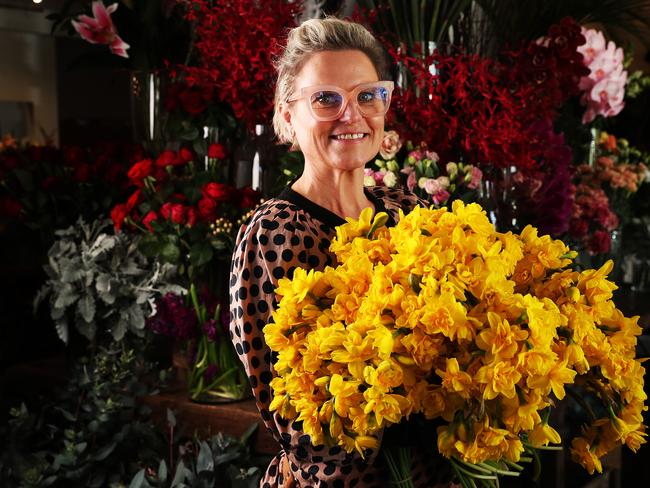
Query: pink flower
{"type": "Point", "coordinates": [390, 145]}
{"type": "Point", "coordinates": [430, 185]}
{"type": "Point", "coordinates": [440, 197]}
{"type": "Point", "coordinates": [475, 177]}
{"type": "Point", "coordinates": [100, 29]}
{"type": "Point", "coordinates": [411, 180]}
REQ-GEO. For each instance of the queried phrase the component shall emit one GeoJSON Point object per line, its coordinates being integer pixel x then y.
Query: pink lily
{"type": "Point", "coordinates": [100, 29]}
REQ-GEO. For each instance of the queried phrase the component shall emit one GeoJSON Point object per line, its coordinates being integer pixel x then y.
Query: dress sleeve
{"type": "Point", "coordinates": [274, 243]}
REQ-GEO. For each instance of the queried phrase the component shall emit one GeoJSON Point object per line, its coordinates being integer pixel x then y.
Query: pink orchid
{"type": "Point", "coordinates": [100, 29]}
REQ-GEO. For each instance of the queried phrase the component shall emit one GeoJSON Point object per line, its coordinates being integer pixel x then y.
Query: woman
{"type": "Point", "coordinates": [331, 100]}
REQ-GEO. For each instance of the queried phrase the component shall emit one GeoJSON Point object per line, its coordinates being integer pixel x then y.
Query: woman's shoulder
{"type": "Point", "coordinates": [397, 197]}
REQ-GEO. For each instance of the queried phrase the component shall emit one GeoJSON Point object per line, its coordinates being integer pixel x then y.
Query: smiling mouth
{"type": "Point", "coordinates": [349, 137]}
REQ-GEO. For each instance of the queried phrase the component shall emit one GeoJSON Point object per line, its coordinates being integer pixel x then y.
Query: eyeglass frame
{"type": "Point", "coordinates": [308, 91]}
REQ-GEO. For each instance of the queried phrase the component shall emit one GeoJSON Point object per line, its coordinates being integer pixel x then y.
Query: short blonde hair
{"type": "Point", "coordinates": [313, 36]}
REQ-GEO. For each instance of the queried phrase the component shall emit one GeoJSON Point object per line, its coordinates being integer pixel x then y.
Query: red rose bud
{"type": "Point", "coordinates": [118, 214]}
{"type": "Point", "coordinates": [73, 155]}
{"type": "Point", "coordinates": [207, 209]}
{"type": "Point", "coordinates": [133, 200]}
{"type": "Point", "coordinates": [140, 170]}
{"type": "Point", "coordinates": [147, 219]}
{"type": "Point", "coordinates": [248, 197]}
{"type": "Point", "coordinates": [193, 101]}
{"type": "Point", "coordinates": [191, 216]}
{"type": "Point", "coordinates": [185, 155]}
{"type": "Point", "coordinates": [216, 191]}
{"type": "Point", "coordinates": [216, 151]}
{"type": "Point", "coordinates": [81, 173]}
{"type": "Point", "coordinates": [166, 210]}
{"type": "Point", "coordinates": [10, 207]}
{"type": "Point", "coordinates": [178, 213]}
{"type": "Point", "coordinates": [168, 158]}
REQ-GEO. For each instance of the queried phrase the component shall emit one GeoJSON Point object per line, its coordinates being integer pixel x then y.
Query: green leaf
{"type": "Point", "coordinates": [105, 451]}
{"type": "Point", "coordinates": [86, 307]}
{"type": "Point", "coordinates": [200, 146]}
{"type": "Point", "coordinates": [170, 252]}
{"type": "Point", "coordinates": [171, 418]}
{"type": "Point", "coordinates": [201, 253]}
{"type": "Point", "coordinates": [180, 474]}
{"type": "Point", "coordinates": [204, 461]}
{"type": "Point", "coordinates": [248, 433]}
{"type": "Point", "coordinates": [189, 134]}
{"type": "Point", "coordinates": [138, 480]}
{"type": "Point", "coordinates": [162, 471]}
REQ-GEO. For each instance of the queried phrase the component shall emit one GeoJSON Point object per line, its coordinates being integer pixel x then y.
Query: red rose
{"type": "Point", "coordinates": [600, 242]}
{"type": "Point", "coordinates": [173, 211]}
{"type": "Point", "coordinates": [193, 100]}
{"type": "Point", "coordinates": [133, 200]}
{"type": "Point", "coordinates": [207, 209]}
{"type": "Point", "coordinates": [185, 155]}
{"type": "Point", "coordinates": [10, 207]}
{"type": "Point", "coordinates": [140, 170]}
{"type": "Point", "coordinates": [118, 214]}
{"type": "Point", "coordinates": [248, 197]}
{"type": "Point", "coordinates": [73, 156]}
{"type": "Point", "coordinates": [216, 151]}
{"type": "Point", "coordinates": [81, 173]}
{"type": "Point", "coordinates": [147, 219]}
{"type": "Point", "coordinates": [217, 191]}
{"type": "Point", "coordinates": [170, 100]}
{"type": "Point", "coordinates": [168, 158]}
{"type": "Point", "coordinates": [191, 217]}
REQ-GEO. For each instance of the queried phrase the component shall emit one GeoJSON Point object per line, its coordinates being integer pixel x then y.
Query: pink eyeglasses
{"type": "Point", "coordinates": [328, 102]}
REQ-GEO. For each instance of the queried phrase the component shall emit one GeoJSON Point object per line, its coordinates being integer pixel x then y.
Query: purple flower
{"type": "Point", "coordinates": [173, 318]}
{"type": "Point", "coordinates": [210, 330]}
{"type": "Point", "coordinates": [210, 372]}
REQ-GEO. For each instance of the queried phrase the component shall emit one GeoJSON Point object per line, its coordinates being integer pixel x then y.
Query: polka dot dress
{"type": "Point", "coordinates": [287, 232]}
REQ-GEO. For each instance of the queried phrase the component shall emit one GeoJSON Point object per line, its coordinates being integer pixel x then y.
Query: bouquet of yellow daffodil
{"type": "Point", "coordinates": [443, 316]}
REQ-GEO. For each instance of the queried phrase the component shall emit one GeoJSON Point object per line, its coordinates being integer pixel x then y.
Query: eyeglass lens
{"type": "Point", "coordinates": [371, 102]}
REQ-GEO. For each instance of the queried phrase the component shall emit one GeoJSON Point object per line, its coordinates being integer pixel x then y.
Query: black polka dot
{"type": "Point", "coordinates": [346, 469]}
{"type": "Point", "coordinates": [243, 293]}
{"type": "Point", "coordinates": [286, 437]}
{"type": "Point", "coordinates": [270, 224]}
{"type": "Point", "coordinates": [260, 324]}
{"type": "Point", "coordinates": [279, 239]}
{"type": "Point", "coordinates": [257, 343]}
{"type": "Point", "coordinates": [329, 469]}
{"type": "Point", "coordinates": [250, 309]}
{"type": "Point", "coordinates": [301, 453]}
{"type": "Point", "coordinates": [264, 396]}
{"type": "Point", "coordinates": [317, 459]}
{"type": "Point", "coordinates": [278, 272]}
{"type": "Point", "coordinates": [302, 256]}
{"type": "Point", "coordinates": [246, 347]}
{"type": "Point", "coordinates": [313, 261]}
{"type": "Point", "coordinates": [313, 469]}
{"type": "Point", "coordinates": [255, 362]}
{"type": "Point", "coordinates": [287, 255]}
{"type": "Point", "coordinates": [338, 483]}
{"type": "Point", "coordinates": [301, 227]}
{"type": "Point", "coordinates": [304, 475]}
{"type": "Point", "coordinates": [254, 290]}
{"type": "Point", "coordinates": [246, 274]}
{"type": "Point", "coordinates": [289, 227]}
{"type": "Point", "coordinates": [251, 256]}
{"type": "Point", "coordinates": [239, 349]}
{"type": "Point", "coordinates": [254, 240]}
{"type": "Point", "coordinates": [335, 450]}
{"type": "Point", "coordinates": [266, 485]}
{"type": "Point", "coordinates": [264, 239]}
{"type": "Point", "coordinates": [273, 470]}
{"type": "Point", "coordinates": [283, 422]}
{"type": "Point", "coordinates": [237, 331]}
{"type": "Point", "coordinates": [257, 271]}
{"type": "Point", "coordinates": [266, 377]}
{"type": "Point", "coordinates": [308, 241]}
{"type": "Point", "coordinates": [295, 240]}
{"type": "Point", "coordinates": [262, 306]}
{"type": "Point", "coordinates": [354, 482]}
{"type": "Point", "coordinates": [253, 380]}
{"type": "Point", "coordinates": [265, 414]}
{"type": "Point", "coordinates": [271, 255]}
{"type": "Point", "coordinates": [368, 478]}
{"type": "Point", "coordinates": [304, 440]}
{"type": "Point", "coordinates": [240, 312]}
{"type": "Point", "coordinates": [267, 287]}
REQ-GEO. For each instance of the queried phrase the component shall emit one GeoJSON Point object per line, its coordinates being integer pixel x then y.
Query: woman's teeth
{"type": "Point", "coordinates": [348, 136]}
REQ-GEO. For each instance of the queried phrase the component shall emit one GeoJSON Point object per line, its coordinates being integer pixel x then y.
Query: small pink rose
{"type": "Point", "coordinates": [390, 145]}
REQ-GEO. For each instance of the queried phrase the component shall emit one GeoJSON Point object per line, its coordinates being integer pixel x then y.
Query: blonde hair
{"type": "Point", "coordinates": [313, 36]}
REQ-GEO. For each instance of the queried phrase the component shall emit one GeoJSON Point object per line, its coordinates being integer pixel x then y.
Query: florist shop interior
{"type": "Point", "coordinates": [493, 332]}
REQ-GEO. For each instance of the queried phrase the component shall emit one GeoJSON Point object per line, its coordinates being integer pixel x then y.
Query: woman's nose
{"type": "Point", "coordinates": [351, 112]}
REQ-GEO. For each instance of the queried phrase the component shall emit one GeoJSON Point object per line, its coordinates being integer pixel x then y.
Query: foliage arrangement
{"type": "Point", "coordinates": [100, 284]}
{"type": "Point", "coordinates": [443, 316]}
{"type": "Point", "coordinates": [88, 435]}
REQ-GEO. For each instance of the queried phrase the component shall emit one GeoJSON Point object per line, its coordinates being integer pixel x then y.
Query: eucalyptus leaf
{"type": "Point", "coordinates": [138, 480]}
{"type": "Point", "coordinates": [204, 461]}
{"type": "Point", "coordinates": [86, 308]}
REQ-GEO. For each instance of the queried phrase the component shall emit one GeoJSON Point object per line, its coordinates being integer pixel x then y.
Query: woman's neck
{"type": "Point", "coordinates": [341, 192]}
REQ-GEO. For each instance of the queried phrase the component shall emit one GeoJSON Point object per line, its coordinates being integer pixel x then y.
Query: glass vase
{"type": "Point", "coordinates": [147, 114]}
{"type": "Point", "coordinates": [497, 197]}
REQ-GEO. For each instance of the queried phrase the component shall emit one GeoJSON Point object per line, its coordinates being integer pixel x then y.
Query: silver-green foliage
{"type": "Point", "coordinates": [99, 283]}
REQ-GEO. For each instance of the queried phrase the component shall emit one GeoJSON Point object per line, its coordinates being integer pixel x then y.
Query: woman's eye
{"type": "Point", "coordinates": [326, 98]}
{"type": "Point", "coordinates": [365, 97]}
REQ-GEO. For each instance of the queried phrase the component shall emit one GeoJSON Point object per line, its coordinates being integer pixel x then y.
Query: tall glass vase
{"type": "Point", "coordinates": [147, 114]}
{"type": "Point", "coordinates": [497, 196]}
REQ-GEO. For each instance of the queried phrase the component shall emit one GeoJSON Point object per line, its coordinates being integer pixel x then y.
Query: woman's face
{"type": "Point", "coordinates": [350, 141]}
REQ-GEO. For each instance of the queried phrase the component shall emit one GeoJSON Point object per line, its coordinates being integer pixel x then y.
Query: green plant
{"type": "Point", "coordinates": [89, 434]}
{"type": "Point", "coordinates": [100, 284]}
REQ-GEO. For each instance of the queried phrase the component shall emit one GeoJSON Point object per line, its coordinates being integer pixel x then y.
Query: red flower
{"type": "Point", "coordinates": [133, 200]}
{"type": "Point", "coordinates": [81, 173]}
{"type": "Point", "coordinates": [50, 183]}
{"type": "Point", "coordinates": [191, 216]}
{"type": "Point", "coordinates": [207, 209]}
{"type": "Point", "coordinates": [73, 156]}
{"type": "Point", "coordinates": [216, 151]}
{"type": "Point", "coordinates": [185, 155]}
{"type": "Point", "coordinates": [118, 215]}
{"type": "Point", "coordinates": [168, 158]}
{"type": "Point", "coordinates": [600, 242]}
{"type": "Point", "coordinates": [248, 197]}
{"type": "Point", "coordinates": [195, 99]}
{"type": "Point", "coordinates": [10, 207]}
{"type": "Point", "coordinates": [140, 170]}
{"type": "Point", "coordinates": [173, 211]}
{"type": "Point", "coordinates": [147, 219]}
{"type": "Point", "coordinates": [217, 191]}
